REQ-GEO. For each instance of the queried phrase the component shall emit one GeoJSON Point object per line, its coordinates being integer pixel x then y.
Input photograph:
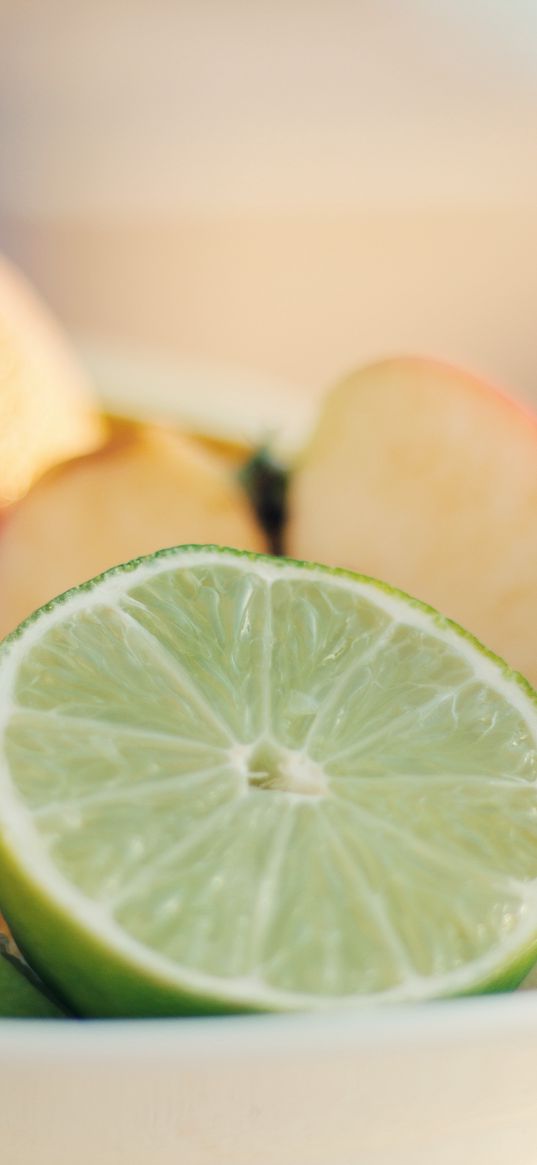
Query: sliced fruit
{"type": "Point", "coordinates": [146, 489]}
{"type": "Point", "coordinates": [422, 475]}
{"type": "Point", "coordinates": [20, 996]}
{"type": "Point", "coordinates": [234, 408]}
{"type": "Point", "coordinates": [232, 782]}
{"type": "Point", "coordinates": [46, 409]}
{"type": "Point", "coordinates": [5, 933]}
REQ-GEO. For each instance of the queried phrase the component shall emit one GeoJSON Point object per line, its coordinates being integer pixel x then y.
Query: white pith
{"type": "Point", "coordinates": [301, 779]}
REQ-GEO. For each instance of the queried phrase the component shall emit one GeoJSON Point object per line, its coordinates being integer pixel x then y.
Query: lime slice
{"type": "Point", "coordinates": [19, 997]}
{"type": "Point", "coordinates": [235, 782]}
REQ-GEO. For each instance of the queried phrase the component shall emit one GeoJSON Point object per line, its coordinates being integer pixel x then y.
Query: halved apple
{"type": "Point", "coordinates": [46, 409]}
{"type": "Point", "coordinates": [233, 409]}
{"type": "Point", "coordinates": [424, 476]}
{"type": "Point", "coordinates": [146, 489]}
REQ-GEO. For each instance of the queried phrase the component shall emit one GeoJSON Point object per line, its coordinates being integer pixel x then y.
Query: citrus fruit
{"type": "Point", "coordinates": [235, 782]}
{"type": "Point", "coordinates": [46, 408]}
{"type": "Point", "coordinates": [20, 997]}
{"type": "Point", "coordinates": [145, 489]}
{"type": "Point", "coordinates": [422, 475]}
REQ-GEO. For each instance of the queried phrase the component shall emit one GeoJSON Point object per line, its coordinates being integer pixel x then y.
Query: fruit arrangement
{"type": "Point", "coordinates": [235, 780]}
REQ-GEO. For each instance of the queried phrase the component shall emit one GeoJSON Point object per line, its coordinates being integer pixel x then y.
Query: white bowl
{"type": "Point", "coordinates": [449, 1083]}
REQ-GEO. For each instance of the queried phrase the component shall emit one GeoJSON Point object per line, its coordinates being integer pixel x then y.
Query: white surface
{"type": "Point", "coordinates": [444, 1084]}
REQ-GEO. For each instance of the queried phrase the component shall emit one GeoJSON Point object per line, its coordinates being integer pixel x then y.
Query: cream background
{"type": "Point", "coordinates": [292, 188]}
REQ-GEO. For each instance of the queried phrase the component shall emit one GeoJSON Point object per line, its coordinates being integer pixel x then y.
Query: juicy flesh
{"type": "Point", "coordinates": [273, 779]}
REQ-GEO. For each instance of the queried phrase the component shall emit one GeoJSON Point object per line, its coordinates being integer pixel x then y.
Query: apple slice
{"type": "Point", "coordinates": [421, 475]}
{"type": "Point", "coordinates": [46, 408]}
{"type": "Point", "coordinates": [5, 933]}
{"type": "Point", "coordinates": [146, 489]}
{"type": "Point", "coordinates": [232, 408]}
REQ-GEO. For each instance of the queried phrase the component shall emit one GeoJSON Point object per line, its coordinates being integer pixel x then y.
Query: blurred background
{"type": "Point", "coordinates": [288, 188]}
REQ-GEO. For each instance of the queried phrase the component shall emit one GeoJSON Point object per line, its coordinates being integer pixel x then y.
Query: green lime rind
{"type": "Point", "coordinates": [109, 983]}
{"type": "Point", "coordinates": [110, 986]}
{"type": "Point", "coordinates": [20, 996]}
{"type": "Point", "coordinates": [279, 562]}
{"type": "Point", "coordinates": [92, 979]}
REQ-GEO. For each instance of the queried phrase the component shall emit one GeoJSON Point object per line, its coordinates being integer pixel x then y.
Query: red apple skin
{"type": "Point", "coordinates": [425, 476]}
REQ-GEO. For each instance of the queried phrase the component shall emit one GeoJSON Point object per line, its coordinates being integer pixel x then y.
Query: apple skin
{"type": "Point", "coordinates": [146, 489]}
{"type": "Point", "coordinates": [426, 477]}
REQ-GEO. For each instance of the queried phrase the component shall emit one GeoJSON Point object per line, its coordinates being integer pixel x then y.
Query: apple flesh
{"type": "Point", "coordinates": [146, 489]}
{"type": "Point", "coordinates": [425, 477]}
{"type": "Point", "coordinates": [47, 412]}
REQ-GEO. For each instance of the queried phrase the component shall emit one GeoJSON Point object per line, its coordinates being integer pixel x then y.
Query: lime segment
{"type": "Point", "coordinates": [235, 782]}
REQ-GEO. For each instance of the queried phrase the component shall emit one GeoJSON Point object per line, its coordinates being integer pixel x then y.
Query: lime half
{"type": "Point", "coordinates": [233, 782]}
{"type": "Point", "coordinates": [20, 997]}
